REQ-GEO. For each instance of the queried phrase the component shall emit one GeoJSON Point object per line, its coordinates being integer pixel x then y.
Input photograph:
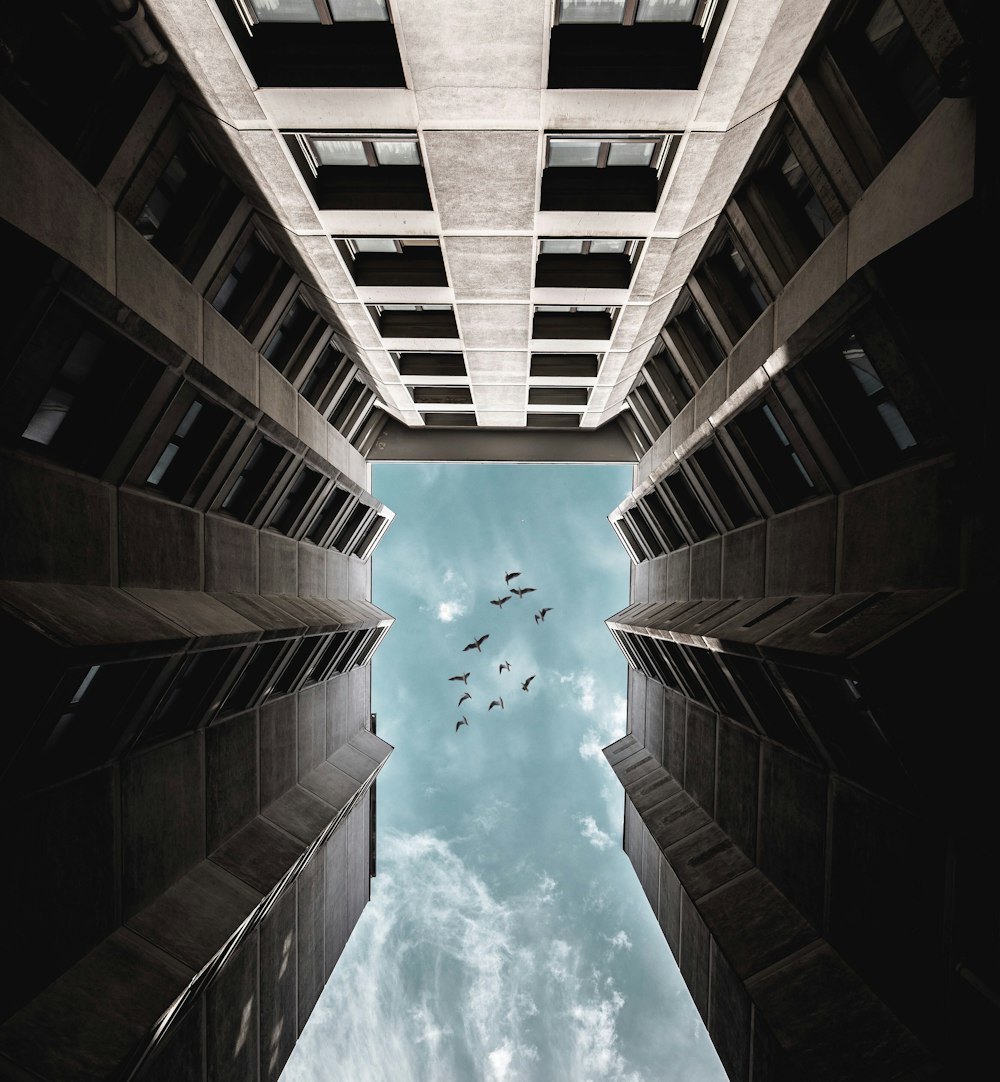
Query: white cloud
{"type": "Point", "coordinates": [442, 980]}
{"type": "Point", "coordinates": [584, 685]}
{"type": "Point", "coordinates": [620, 940]}
{"type": "Point", "coordinates": [457, 603]}
{"type": "Point", "coordinates": [450, 610]}
{"type": "Point", "coordinates": [593, 833]}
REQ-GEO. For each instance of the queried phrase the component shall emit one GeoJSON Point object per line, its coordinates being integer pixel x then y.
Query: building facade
{"type": "Point", "coordinates": [259, 244]}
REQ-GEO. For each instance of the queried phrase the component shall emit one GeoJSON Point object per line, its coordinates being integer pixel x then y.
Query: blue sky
{"type": "Point", "coordinates": [507, 939]}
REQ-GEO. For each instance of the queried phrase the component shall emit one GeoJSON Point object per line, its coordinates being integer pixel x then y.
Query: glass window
{"type": "Point", "coordinates": [864, 371]}
{"type": "Point", "coordinates": [561, 247]}
{"type": "Point", "coordinates": [772, 458]}
{"type": "Point", "coordinates": [295, 499]}
{"type": "Point", "coordinates": [574, 153]}
{"type": "Point", "coordinates": [631, 152]}
{"type": "Point", "coordinates": [241, 286]}
{"type": "Point", "coordinates": [666, 11]}
{"type": "Point", "coordinates": [291, 330]}
{"type": "Point", "coordinates": [795, 177]}
{"type": "Point", "coordinates": [359, 11]}
{"type": "Point", "coordinates": [744, 276]}
{"type": "Point", "coordinates": [591, 11]}
{"type": "Point", "coordinates": [374, 244]}
{"type": "Point", "coordinates": [76, 371]}
{"type": "Point", "coordinates": [397, 152]}
{"type": "Point", "coordinates": [257, 472]}
{"type": "Point", "coordinates": [340, 151]}
{"type": "Point", "coordinates": [162, 197]}
{"type": "Point", "coordinates": [285, 11]}
{"type": "Point", "coordinates": [608, 247]}
{"type": "Point", "coordinates": [188, 449]}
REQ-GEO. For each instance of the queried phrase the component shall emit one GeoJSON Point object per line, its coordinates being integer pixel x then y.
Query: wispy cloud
{"type": "Point", "coordinates": [593, 833]}
{"type": "Point", "coordinates": [620, 941]}
{"type": "Point", "coordinates": [450, 610]}
{"type": "Point", "coordinates": [444, 980]}
{"type": "Point", "coordinates": [584, 686]}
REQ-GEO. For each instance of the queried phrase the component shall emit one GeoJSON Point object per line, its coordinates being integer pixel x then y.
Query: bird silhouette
{"type": "Point", "coordinates": [463, 698]}
{"type": "Point", "coordinates": [464, 721]}
{"type": "Point", "coordinates": [505, 665]}
{"type": "Point", "coordinates": [522, 591]}
{"type": "Point", "coordinates": [539, 616]}
{"type": "Point", "coordinates": [464, 677]}
{"type": "Point", "coordinates": [510, 575]}
{"type": "Point", "coordinates": [496, 702]}
{"type": "Point", "coordinates": [524, 686]}
{"type": "Point", "coordinates": [477, 645]}
{"type": "Point", "coordinates": [500, 601]}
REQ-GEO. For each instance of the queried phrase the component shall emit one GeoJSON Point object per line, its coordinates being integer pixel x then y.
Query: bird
{"type": "Point", "coordinates": [524, 590]}
{"type": "Point", "coordinates": [496, 702]}
{"type": "Point", "coordinates": [477, 645]}
{"type": "Point", "coordinates": [464, 721]}
{"type": "Point", "coordinates": [463, 698]}
{"type": "Point", "coordinates": [500, 601]}
{"type": "Point", "coordinates": [463, 676]}
{"type": "Point", "coordinates": [505, 665]}
{"type": "Point", "coordinates": [524, 686]}
{"type": "Point", "coordinates": [510, 575]}
{"type": "Point", "coordinates": [539, 616]}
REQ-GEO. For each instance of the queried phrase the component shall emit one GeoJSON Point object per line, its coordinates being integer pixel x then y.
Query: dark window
{"type": "Point", "coordinates": [193, 696]}
{"type": "Point", "coordinates": [557, 396]}
{"type": "Point", "coordinates": [346, 533]}
{"type": "Point", "coordinates": [429, 364]}
{"type": "Point", "coordinates": [696, 520]}
{"type": "Point", "coordinates": [188, 449]}
{"type": "Point", "coordinates": [450, 420]}
{"type": "Point", "coordinates": [253, 274]}
{"type": "Point", "coordinates": [854, 409]}
{"type": "Point", "coordinates": [395, 261]}
{"type": "Point", "coordinates": [772, 457]}
{"type": "Point", "coordinates": [552, 420]}
{"type": "Point", "coordinates": [605, 172]}
{"type": "Point", "coordinates": [648, 540]}
{"type": "Point", "coordinates": [698, 336]}
{"type": "Point", "coordinates": [320, 386]}
{"type": "Point", "coordinates": [887, 71]}
{"type": "Point", "coordinates": [351, 402]}
{"type": "Point", "coordinates": [565, 365]}
{"type": "Point", "coordinates": [187, 208]}
{"type": "Point", "coordinates": [96, 381]}
{"type": "Point", "coordinates": [723, 485]}
{"type": "Point", "coordinates": [444, 395]}
{"type": "Point", "coordinates": [789, 170]}
{"type": "Point", "coordinates": [332, 506]}
{"type": "Point", "coordinates": [256, 679]}
{"type": "Point", "coordinates": [300, 662]}
{"type": "Point", "coordinates": [257, 473]}
{"type": "Point", "coordinates": [664, 520]}
{"type": "Point", "coordinates": [366, 539]}
{"type": "Point", "coordinates": [362, 172]}
{"type": "Point", "coordinates": [293, 503]}
{"type": "Point", "coordinates": [767, 705]}
{"type": "Point", "coordinates": [292, 330]}
{"type": "Point", "coordinates": [731, 287]}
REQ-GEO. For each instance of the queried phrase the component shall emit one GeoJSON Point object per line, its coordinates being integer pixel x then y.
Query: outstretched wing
{"type": "Point", "coordinates": [528, 681]}
{"type": "Point", "coordinates": [481, 640]}
{"type": "Point", "coordinates": [467, 695]}
{"type": "Point", "coordinates": [511, 575]}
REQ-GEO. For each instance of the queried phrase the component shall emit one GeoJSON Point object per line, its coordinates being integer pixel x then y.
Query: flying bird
{"type": "Point", "coordinates": [524, 590]}
{"type": "Point", "coordinates": [539, 616]}
{"type": "Point", "coordinates": [524, 686]}
{"type": "Point", "coordinates": [505, 665]}
{"type": "Point", "coordinates": [464, 721]}
{"type": "Point", "coordinates": [496, 702]}
{"type": "Point", "coordinates": [500, 601]}
{"type": "Point", "coordinates": [464, 677]}
{"type": "Point", "coordinates": [477, 645]}
{"type": "Point", "coordinates": [463, 698]}
{"type": "Point", "coordinates": [510, 575]}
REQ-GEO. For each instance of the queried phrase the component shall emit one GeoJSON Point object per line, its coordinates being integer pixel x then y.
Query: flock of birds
{"type": "Point", "coordinates": [477, 645]}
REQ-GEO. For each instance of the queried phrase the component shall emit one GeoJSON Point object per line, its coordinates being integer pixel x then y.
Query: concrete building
{"type": "Point", "coordinates": [259, 244]}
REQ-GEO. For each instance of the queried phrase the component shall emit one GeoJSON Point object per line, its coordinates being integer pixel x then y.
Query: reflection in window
{"type": "Point", "coordinates": [794, 176]}
{"type": "Point", "coordinates": [328, 151]}
{"type": "Point", "coordinates": [626, 12]}
{"type": "Point", "coordinates": [188, 449]}
{"type": "Point", "coordinates": [864, 371]}
{"type": "Point", "coordinates": [246, 490]}
{"type": "Point", "coordinates": [315, 11]}
{"type": "Point", "coordinates": [574, 153]}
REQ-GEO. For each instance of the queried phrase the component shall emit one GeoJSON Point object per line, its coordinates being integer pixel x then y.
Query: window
{"type": "Point", "coordinates": [257, 476]}
{"type": "Point", "coordinates": [329, 513]}
{"type": "Point", "coordinates": [605, 172]}
{"type": "Point", "coordinates": [429, 364]}
{"type": "Point", "coordinates": [627, 12]}
{"type": "Point", "coordinates": [692, 342]}
{"type": "Point", "coordinates": [587, 321]}
{"type": "Point", "coordinates": [794, 176]}
{"type": "Point", "coordinates": [297, 335]}
{"type": "Point", "coordinates": [441, 395]}
{"type": "Point", "coordinates": [347, 533]}
{"type": "Point", "coordinates": [774, 454]}
{"type": "Point", "coordinates": [250, 284]}
{"type": "Point", "coordinates": [313, 11]}
{"type": "Point", "coordinates": [566, 365]}
{"type": "Point", "coordinates": [336, 151]}
{"type": "Point", "coordinates": [289, 510]}
{"type": "Point", "coordinates": [578, 153]}
{"type": "Point", "coordinates": [730, 286]}
{"type": "Point", "coordinates": [721, 482]}
{"type": "Point", "coordinates": [415, 320]}
{"type": "Point", "coordinates": [88, 383]}
{"type": "Point", "coordinates": [854, 409]}
{"type": "Point", "coordinates": [257, 678]}
{"type": "Point", "coordinates": [598, 262]}
{"type": "Point", "coordinates": [189, 449]}
{"type": "Point", "coordinates": [320, 385]}
{"type": "Point", "coordinates": [188, 205]}
{"type": "Point", "coordinates": [668, 382]}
